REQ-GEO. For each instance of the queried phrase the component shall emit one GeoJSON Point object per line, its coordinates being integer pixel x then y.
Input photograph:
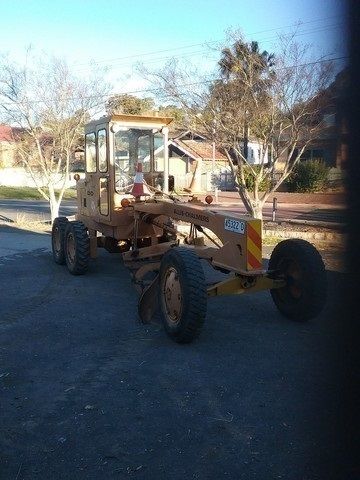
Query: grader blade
{"type": "Point", "coordinates": [149, 301]}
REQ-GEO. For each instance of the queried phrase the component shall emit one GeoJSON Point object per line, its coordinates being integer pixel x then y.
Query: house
{"type": "Point", "coordinates": [189, 151]}
{"type": "Point", "coordinates": [190, 155]}
{"type": "Point", "coordinates": [331, 145]}
{"type": "Point", "coordinates": [8, 145]}
{"type": "Point", "coordinates": [254, 154]}
{"type": "Point", "coordinates": [12, 171]}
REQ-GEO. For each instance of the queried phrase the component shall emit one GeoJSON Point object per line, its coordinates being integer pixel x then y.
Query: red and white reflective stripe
{"type": "Point", "coordinates": [253, 245]}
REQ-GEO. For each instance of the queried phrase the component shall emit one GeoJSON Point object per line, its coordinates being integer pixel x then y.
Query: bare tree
{"type": "Point", "coordinates": [276, 100]}
{"type": "Point", "coordinates": [49, 105]}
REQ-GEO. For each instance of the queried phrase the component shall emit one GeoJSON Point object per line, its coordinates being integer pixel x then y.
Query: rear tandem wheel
{"type": "Point", "coordinates": [76, 247]}
{"type": "Point", "coordinates": [57, 239]}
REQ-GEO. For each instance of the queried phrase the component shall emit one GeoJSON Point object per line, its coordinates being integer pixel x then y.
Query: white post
{"type": "Point", "coordinates": [165, 132]}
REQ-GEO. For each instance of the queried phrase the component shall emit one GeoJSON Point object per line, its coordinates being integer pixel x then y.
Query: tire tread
{"type": "Point", "coordinates": [194, 291]}
{"type": "Point", "coordinates": [82, 248]}
{"type": "Point", "coordinates": [60, 222]}
{"type": "Point", "coordinates": [315, 279]}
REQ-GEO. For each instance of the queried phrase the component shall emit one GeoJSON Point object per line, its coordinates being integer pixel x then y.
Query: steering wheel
{"type": "Point", "coordinates": [123, 174]}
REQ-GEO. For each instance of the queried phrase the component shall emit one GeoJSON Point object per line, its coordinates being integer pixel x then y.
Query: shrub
{"type": "Point", "coordinates": [250, 179]}
{"type": "Point", "coordinates": [309, 176]}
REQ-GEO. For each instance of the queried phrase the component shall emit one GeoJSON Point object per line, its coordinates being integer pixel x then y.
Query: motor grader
{"type": "Point", "coordinates": [170, 243]}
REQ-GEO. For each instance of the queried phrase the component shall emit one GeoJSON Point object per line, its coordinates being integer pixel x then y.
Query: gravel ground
{"type": "Point", "coordinates": [91, 394]}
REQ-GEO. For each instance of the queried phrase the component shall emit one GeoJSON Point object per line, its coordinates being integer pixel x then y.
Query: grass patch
{"type": "Point", "coordinates": [30, 193]}
{"type": "Point", "coordinates": [34, 223]}
{"type": "Point", "coordinates": [271, 240]}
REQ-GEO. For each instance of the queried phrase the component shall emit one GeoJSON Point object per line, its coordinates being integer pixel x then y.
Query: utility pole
{"type": "Point", "coordinates": [213, 156]}
{"type": "Point", "coordinates": [246, 138]}
{"type": "Point", "coordinates": [165, 132]}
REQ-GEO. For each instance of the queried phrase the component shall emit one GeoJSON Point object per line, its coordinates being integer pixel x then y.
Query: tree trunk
{"type": "Point", "coordinates": [256, 211]}
{"type": "Point", "coordinates": [54, 203]}
{"type": "Point", "coordinates": [54, 210]}
{"type": "Point", "coordinates": [256, 207]}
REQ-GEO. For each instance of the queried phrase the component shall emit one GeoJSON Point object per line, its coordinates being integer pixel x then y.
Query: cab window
{"type": "Point", "coordinates": [102, 151]}
{"type": "Point", "coordinates": [144, 152]}
{"type": "Point", "coordinates": [159, 152]}
{"type": "Point", "coordinates": [131, 146]}
{"type": "Point", "coordinates": [90, 152]}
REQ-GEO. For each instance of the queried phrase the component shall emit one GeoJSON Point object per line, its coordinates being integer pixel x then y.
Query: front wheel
{"type": "Point", "coordinates": [183, 296]}
{"type": "Point", "coordinates": [304, 294]}
{"type": "Point", "coordinates": [77, 248]}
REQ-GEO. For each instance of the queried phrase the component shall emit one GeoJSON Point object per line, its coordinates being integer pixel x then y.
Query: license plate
{"type": "Point", "coordinates": [233, 225]}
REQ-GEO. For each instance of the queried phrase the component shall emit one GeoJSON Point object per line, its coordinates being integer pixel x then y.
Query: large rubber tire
{"type": "Point", "coordinates": [57, 239]}
{"type": "Point", "coordinates": [182, 294]}
{"type": "Point", "coordinates": [77, 248]}
{"type": "Point", "coordinates": [304, 295]}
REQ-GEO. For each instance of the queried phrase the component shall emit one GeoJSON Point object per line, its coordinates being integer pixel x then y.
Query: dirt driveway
{"type": "Point", "coordinates": [89, 393]}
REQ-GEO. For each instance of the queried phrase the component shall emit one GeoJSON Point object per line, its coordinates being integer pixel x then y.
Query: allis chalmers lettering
{"type": "Point", "coordinates": [194, 216]}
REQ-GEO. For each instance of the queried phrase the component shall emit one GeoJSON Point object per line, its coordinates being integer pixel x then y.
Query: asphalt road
{"type": "Point", "coordinates": [87, 392]}
{"type": "Point", "coordinates": [34, 209]}
{"type": "Point", "coordinates": [9, 209]}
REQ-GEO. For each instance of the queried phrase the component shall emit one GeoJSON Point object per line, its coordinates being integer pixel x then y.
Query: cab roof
{"type": "Point", "coordinates": [130, 120]}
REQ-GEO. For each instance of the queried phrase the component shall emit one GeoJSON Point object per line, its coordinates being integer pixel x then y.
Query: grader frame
{"type": "Point", "coordinates": [124, 209]}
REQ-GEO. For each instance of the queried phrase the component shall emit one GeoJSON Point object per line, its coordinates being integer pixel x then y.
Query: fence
{"type": "Point", "coordinates": [223, 180]}
{"type": "Point", "coordinates": [19, 177]}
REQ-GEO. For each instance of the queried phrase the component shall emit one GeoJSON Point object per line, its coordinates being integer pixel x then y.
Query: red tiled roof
{"type": "Point", "coordinates": [199, 149]}
{"type": "Point", "coordinates": [6, 134]}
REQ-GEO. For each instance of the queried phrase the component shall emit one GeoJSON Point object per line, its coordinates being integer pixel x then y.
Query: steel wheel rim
{"type": "Point", "coordinates": [172, 296]}
{"type": "Point", "coordinates": [70, 247]}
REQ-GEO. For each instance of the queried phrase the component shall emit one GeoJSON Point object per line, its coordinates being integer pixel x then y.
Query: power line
{"type": "Point", "coordinates": [201, 52]}
{"type": "Point", "coordinates": [155, 52]}
{"type": "Point", "coordinates": [154, 90]}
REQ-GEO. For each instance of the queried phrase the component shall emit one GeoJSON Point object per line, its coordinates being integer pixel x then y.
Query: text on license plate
{"type": "Point", "coordinates": [234, 225]}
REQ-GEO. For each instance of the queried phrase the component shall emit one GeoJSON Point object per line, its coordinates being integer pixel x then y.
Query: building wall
{"type": "Point", "coordinates": [19, 177]}
{"type": "Point", "coordinates": [7, 154]}
{"type": "Point", "coordinates": [254, 155]}
{"type": "Point", "coordinates": [178, 165]}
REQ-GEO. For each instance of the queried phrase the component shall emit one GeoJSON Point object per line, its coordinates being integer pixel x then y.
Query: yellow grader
{"type": "Point", "coordinates": [123, 205]}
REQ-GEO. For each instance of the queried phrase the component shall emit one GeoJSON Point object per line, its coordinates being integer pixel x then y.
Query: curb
{"type": "Point", "coordinates": [310, 223]}
{"type": "Point", "coordinates": [276, 232]}
{"type": "Point", "coordinates": [333, 237]}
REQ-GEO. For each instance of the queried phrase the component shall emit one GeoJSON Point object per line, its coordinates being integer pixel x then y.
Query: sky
{"type": "Point", "coordinates": [117, 34]}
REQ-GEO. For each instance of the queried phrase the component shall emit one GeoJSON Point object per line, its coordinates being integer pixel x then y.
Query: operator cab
{"type": "Point", "coordinates": [114, 146]}
{"type": "Point", "coordinates": [133, 145]}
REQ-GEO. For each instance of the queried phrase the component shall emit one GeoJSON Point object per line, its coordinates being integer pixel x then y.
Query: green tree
{"type": "Point", "coordinates": [278, 102]}
{"type": "Point", "coordinates": [177, 113]}
{"type": "Point", "coordinates": [246, 58]}
{"type": "Point", "coordinates": [129, 105]}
